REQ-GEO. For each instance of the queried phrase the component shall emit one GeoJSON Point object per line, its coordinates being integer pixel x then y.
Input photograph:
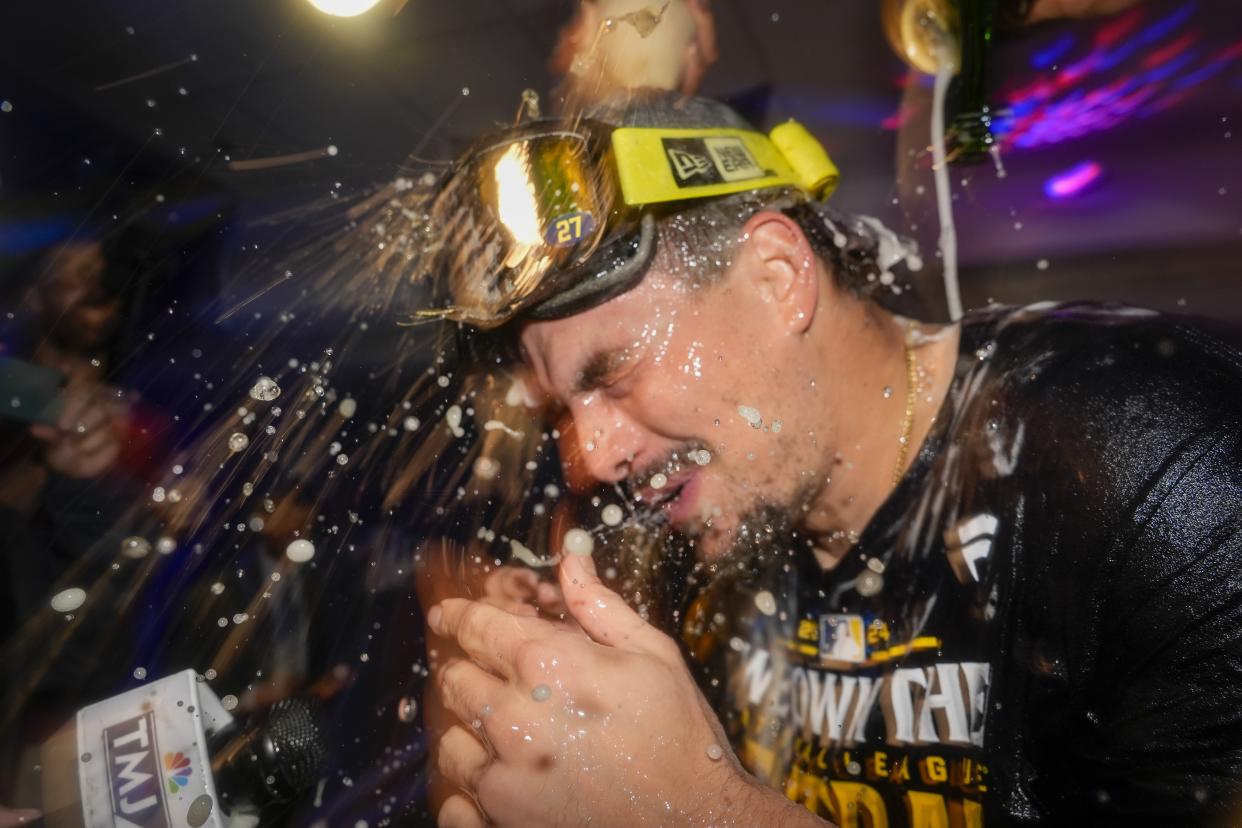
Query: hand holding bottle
{"type": "Point", "coordinates": [1049, 9]}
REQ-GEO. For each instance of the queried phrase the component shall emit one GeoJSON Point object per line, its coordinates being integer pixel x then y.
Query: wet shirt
{"type": "Point", "coordinates": [1042, 625]}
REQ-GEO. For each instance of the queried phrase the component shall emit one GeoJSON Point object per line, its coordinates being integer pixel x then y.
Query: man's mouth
{"type": "Point", "coordinates": [675, 497]}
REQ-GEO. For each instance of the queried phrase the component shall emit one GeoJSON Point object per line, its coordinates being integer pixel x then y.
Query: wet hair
{"type": "Point", "coordinates": [698, 243]}
{"type": "Point", "coordinates": [696, 240]}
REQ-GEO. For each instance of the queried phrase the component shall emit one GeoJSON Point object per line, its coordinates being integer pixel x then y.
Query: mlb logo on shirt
{"type": "Point", "coordinates": [842, 638]}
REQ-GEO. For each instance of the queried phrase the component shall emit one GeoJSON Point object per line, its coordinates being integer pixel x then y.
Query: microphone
{"type": "Point", "coordinates": [275, 757]}
{"type": "Point", "coordinates": [168, 754]}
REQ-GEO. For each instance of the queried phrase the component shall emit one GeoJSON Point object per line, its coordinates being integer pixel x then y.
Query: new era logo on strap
{"type": "Point", "coordinates": [714, 159]}
{"type": "Point", "coordinates": [688, 165]}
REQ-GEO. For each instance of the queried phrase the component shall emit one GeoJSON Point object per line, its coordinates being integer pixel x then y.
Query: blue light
{"type": "Point", "coordinates": [17, 238]}
{"type": "Point", "coordinates": [1153, 33]}
{"type": "Point", "coordinates": [1057, 50]}
{"type": "Point", "coordinates": [1200, 75]}
{"type": "Point", "coordinates": [1169, 69]}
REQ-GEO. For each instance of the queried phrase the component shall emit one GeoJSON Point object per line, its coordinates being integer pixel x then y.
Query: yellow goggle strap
{"type": "Point", "coordinates": [656, 165]}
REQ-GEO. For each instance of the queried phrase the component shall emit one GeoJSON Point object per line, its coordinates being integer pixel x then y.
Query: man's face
{"type": "Point", "coordinates": [704, 386]}
{"type": "Point", "coordinates": [77, 308]}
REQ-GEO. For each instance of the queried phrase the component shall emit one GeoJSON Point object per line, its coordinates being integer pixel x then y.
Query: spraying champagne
{"type": "Point", "coordinates": [956, 36]}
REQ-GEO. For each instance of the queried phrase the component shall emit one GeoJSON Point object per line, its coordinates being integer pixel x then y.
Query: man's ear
{"type": "Point", "coordinates": [783, 266]}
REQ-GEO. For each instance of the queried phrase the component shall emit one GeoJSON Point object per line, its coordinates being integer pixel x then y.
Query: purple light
{"type": "Point", "coordinates": [1074, 180]}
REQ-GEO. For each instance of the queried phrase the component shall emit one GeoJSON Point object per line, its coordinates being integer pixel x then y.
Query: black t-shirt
{"type": "Point", "coordinates": [1042, 625]}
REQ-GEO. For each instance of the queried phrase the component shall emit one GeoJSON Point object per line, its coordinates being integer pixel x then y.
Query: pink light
{"type": "Point", "coordinates": [899, 118]}
{"type": "Point", "coordinates": [1073, 181]}
{"type": "Point", "coordinates": [1169, 101]}
{"type": "Point", "coordinates": [1166, 53]}
{"type": "Point", "coordinates": [1114, 32]}
{"type": "Point", "coordinates": [1231, 52]}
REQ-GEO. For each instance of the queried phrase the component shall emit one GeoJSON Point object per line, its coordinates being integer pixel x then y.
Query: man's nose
{"type": "Point", "coordinates": [608, 441]}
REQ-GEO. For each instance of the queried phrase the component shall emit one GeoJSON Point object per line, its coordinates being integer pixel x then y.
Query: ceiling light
{"type": "Point", "coordinates": [344, 8]}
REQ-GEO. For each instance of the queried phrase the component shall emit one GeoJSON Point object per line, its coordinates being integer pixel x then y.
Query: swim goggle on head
{"type": "Point", "coordinates": [554, 216]}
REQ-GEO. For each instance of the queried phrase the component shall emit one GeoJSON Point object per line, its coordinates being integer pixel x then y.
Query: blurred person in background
{"type": "Point", "coordinates": [54, 501]}
{"type": "Point", "coordinates": [67, 478]}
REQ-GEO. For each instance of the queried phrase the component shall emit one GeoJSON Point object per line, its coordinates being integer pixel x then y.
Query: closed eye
{"type": "Point", "coordinates": [604, 370]}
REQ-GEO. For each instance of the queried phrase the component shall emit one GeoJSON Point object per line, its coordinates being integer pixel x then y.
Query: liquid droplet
{"type": "Point", "coordinates": [579, 542]}
{"type": "Point", "coordinates": [300, 550]}
{"type": "Point", "coordinates": [264, 389]}
{"type": "Point", "coordinates": [765, 602]}
{"type": "Point", "coordinates": [453, 418]}
{"type": "Point", "coordinates": [407, 709]}
{"type": "Point", "coordinates": [612, 514]}
{"type": "Point", "coordinates": [750, 415]}
{"type": "Point", "coordinates": [526, 556]}
{"type": "Point", "coordinates": [238, 442]}
{"type": "Point", "coordinates": [869, 583]}
{"type": "Point", "coordinates": [541, 693]}
{"type": "Point", "coordinates": [135, 547]}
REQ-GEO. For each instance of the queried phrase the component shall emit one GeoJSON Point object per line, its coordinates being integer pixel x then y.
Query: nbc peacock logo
{"type": "Point", "coordinates": [178, 770]}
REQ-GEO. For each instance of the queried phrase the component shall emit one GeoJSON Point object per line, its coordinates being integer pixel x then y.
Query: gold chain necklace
{"type": "Point", "coordinates": [907, 420]}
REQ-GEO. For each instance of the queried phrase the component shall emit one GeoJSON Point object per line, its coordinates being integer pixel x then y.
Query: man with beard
{"type": "Point", "coordinates": [976, 573]}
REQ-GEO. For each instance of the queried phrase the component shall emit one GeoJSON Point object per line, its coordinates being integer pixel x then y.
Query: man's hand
{"type": "Point", "coordinates": [14, 817]}
{"type": "Point", "coordinates": [560, 727]}
{"type": "Point", "coordinates": [448, 571]}
{"type": "Point", "coordinates": [86, 440]}
{"type": "Point", "coordinates": [1049, 9]}
{"type": "Point", "coordinates": [673, 63]}
{"type": "Point", "coordinates": [701, 53]}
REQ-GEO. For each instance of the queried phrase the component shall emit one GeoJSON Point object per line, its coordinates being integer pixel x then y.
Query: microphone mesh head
{"type": "Point", "coordinates": [296, 740]}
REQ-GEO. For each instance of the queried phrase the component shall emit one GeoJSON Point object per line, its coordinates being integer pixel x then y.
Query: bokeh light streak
{"type": "Point", "coordinates": [1166, 59]}
{"type": "Point", "coordinates": [1217, 63]}
{"type": "Point", "coordinates": [1048, 57]}
{"type": "Point", "coordinates": [1165, 54]}
{"type": "Point", "coordinates": [1074, 181]}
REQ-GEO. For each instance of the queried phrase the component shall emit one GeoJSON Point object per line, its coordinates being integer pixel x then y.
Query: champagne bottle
{"type": "Point", "coordinates": [932, 35]}
{"type": "Point", "coordinates": [972, 126]}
